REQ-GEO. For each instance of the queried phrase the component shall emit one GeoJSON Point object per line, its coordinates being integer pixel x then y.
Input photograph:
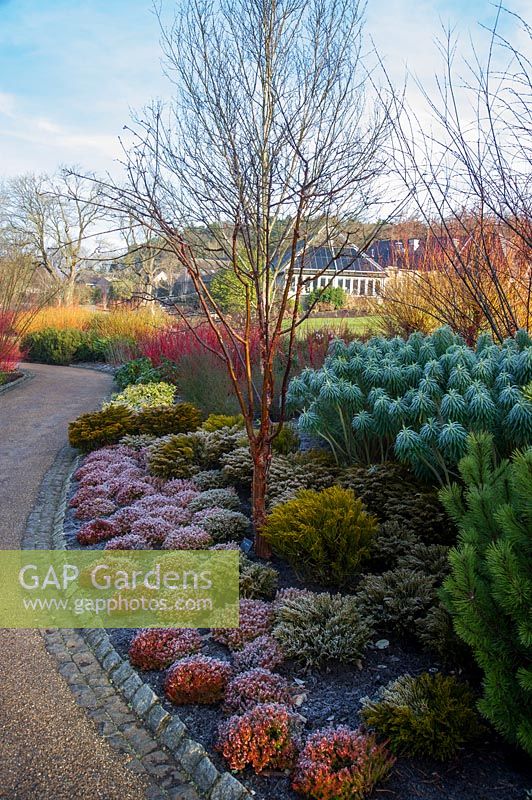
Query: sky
{"type": "Point", "coordinates": [71, 71]}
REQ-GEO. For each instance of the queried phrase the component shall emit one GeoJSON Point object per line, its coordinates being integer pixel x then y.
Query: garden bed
{"type": "Point", "coordinates": [488, 771]}
{"type": "Point", "coordinates": [347, 652]}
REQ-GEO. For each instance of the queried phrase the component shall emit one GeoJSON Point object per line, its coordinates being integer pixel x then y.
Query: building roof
{"type": "Point", "coordinates": [350, 259]}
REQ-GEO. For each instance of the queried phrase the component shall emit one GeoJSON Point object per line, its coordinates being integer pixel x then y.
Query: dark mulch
{"type": "Point", "coordinates": [9, 377]}
{"type": "Point", "coordinates": [489, 771]}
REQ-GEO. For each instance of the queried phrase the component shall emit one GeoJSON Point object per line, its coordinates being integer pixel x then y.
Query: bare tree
{"type": "Point", "coordinates": [143, 260]}
{"type": "Point", "coordinates": [51, 219]}
{"type": "Point", "coordinates": [267, 151]}
{"type": "Point", "coordinates": [470, 177]}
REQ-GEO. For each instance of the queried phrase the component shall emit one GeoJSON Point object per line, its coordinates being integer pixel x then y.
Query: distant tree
{"type": "Point", "coordinates": [51, 219]}
{"type": "Point", "coordinates": [469, 176]}
{"type": "Point", "coordinates": [331, 296]}
{"type": "Point", "coordinates": [229, 291]}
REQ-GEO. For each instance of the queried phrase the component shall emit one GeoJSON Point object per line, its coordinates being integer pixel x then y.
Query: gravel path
{"type": "Point", "coordinates": [49, 749]}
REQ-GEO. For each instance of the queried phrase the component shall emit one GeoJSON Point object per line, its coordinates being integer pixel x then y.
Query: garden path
{"type": "Point", "coordinates": [49, 749]}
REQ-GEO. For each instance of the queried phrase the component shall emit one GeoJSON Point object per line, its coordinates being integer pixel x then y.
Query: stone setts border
{"type": "Point", "coordinates": [126, 710]}
{"type": "Point", "coordinates": [26, 376]}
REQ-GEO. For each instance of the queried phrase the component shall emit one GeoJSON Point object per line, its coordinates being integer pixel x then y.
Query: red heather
{"type": "Point", "coordinates": [153, 529]}
{"type": "Point", "coordinates": [197, 679]}
{"type": "Point", "coordinates": [340, 764]}
{"type": "Point", "coordinates": [264, 737]}
{"type": "Point", "coordinates": [264, 651]}
{"type": "Point", "coordinates": [87, 493]}
{"type": "Point", "coordinates": [131, 491]}
{"type": "Point", "coordinates": [256, 619]}
{"type": "Point", "coordinates": [157, 649]}
{"type": "Point", "coordinates": [254, 687]}
{"type": "Point", "coordinates": [130, 541]}
{"type": "Point", "coordinates": [96, 531]}
{"type": "Point", "coordinates": [189, 537]}
{"type": "Point", "coordinates": [96, 507]}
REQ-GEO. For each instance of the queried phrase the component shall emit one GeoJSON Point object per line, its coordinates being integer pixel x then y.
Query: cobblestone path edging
{"type": "Point", "coordinates": [26, 376]}
{"type": "Point", "coordinates": [126, 711]}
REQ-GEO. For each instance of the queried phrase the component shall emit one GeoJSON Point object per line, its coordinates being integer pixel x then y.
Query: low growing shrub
{"type": "Point", "coordinates": [340, 764]}
{"type": "Point", "coordinates": [320, 628]}
{"type": "Point", "coordinates": [257, 580]}
{"type": "Point", "coordinates": [171, 457]}
{"type": "Point", "coordinates": [215, 422]}
{"type": "Point", "coordinates": [146, 395]}
{"type": "Point", "coordinates": [161, 421]}
{"type": "Point", "coordinates": [215, 498]}
{"type": "Point", "coordinates": [197, 679]}
{"type": "Point", "coordinates": [136, 371]}
{"type": "Point", "coordinates": [325, 536]}
{"type": "Point", "coordinates": [263, 652]}
{"type": "Point", "coordinates": [256, 619]}
{"type": "Point", "coordinates": [189, 537]}
{"type": "Point", "coordinates": [157, 649]}
{"type": "Point", "coordinates": [430, 715]}
{"type": "Point", "coordinates": [256, 686]}
{"type": "Point", "coordinates": [100, 428]}
{"type": "Point", "coordinates": [222, 524]}
{"type": "Point", "coordinates": [264, 737]}
{"type": "Point", "coordinates": [99, 530]}
{"type": "Point", "coordinates": [396, 599]}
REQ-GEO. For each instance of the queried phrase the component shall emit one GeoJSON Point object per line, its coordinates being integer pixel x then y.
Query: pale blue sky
{"type": "Point", "coordinates": [70, 70]}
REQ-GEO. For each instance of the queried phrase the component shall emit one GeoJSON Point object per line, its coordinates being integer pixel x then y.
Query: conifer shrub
{"type": "Point", "coordinates": [427, 715]}
{"type": "Point", "coordinates": [171, 457]}
{"type": "Point", "coordinates": [106, 427]}
{"type": "Point", "coordinates": [319, 628]}
{"type": "Point", "coordinates": [287, 441]}
{"type": "Point", "coordinates": [390, 543]}
{"type": "Point", "coordinates": [396, 497]}
{"type": "Point", "coordinates": [141, 396]}
{"type": "Point", "coordinates": [237, 467]}
{"type": "Point", "coordinates": [138, 441]}
{"type": "Point", "coordinates": [266, 736]}
{"type": "Point", "coordinates": [257, 580]}
{"type": "Point", "coordinates": [100, 428]}
{"type": "Point", "coordinates": [215, 498]}
{"type": "Point", "coordinates": [311, 469]}
{"type": "Point", "coordinates": [216, 422]}
{"type": "Point", "coordinates": [429, 559]}
{"type": "Point", "coordinates": [489, 590]}
{"type": "Point", "coordinates": [157, 649]}
{"type": "Point", "coordinates": [197, 679]}
{"type": "Point", "coordinates": [396, 599]}
{"type": "Point", "coordinates": [210, 479]}
{"type": "Point", "coordinates": [164, 420]}
{"type": "Point", "coordinates": [223, 524]}
{"type": "Point", "coordinates": [256, 686]}
{"type": "Point", "coordinates": [340, 764]}
{"type": "Point", "coordinates": [325, 535]}
{"type": "Point", "coordinates": [436, 635]}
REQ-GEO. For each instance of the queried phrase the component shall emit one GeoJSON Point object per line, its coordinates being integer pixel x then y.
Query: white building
{"type": "Point", "coordinates": [356, 273]}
